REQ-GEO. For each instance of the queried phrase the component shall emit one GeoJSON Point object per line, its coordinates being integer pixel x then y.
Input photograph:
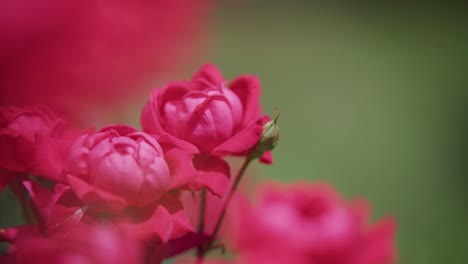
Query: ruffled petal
{"type": "Point", "coordinates": [213, 173]}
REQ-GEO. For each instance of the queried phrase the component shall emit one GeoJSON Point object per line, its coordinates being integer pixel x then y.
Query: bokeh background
{"type": "Point", "coordinates": [373, 99]}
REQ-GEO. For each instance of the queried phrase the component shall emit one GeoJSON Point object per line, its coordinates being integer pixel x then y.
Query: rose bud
{"type": "Point", "coordinates": [118, 167]}
{"type": "Point", "coordinates": [268, 141]}
{"type": "Point", "coordinates": [310, 223]}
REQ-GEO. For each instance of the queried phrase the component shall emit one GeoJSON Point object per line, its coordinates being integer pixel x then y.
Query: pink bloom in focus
{"type": "Point", "coordinates": [33, 140]}
{"type": "Point", "coordinates": [310, 223]}
{"type": "Point", "coordinates": [210, 118]}
{"type": "Point", "coordinates": [206, 112]}
{"type": "Point", "coordinates": [118, 167]}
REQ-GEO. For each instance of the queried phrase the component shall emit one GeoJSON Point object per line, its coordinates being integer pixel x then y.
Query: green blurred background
{"type": "Point", "coordinates": [372, 99]}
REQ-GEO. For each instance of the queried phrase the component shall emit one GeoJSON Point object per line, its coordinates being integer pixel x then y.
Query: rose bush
{"type": "Point", "coordinates": [119, 195]}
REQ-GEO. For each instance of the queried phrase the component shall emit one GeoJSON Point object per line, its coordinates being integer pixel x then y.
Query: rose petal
{"type": "Point", "coordinates": [51, 157]}
{"type": "Point", "coordinates": [168, 141]}
{"type": "Point", "coordinates": [267, 158]}
{"type": "Point", "coordinates": [248, 89]}
{"type": "Point", "coordinates": [181, 168]}
{"type": "Point", "coordinates": [213, 173]}
{"type": "Point", "coordinates": [209, 75]}
{"type": "Point", "coordinates": [122, 130]}
{"type": "Point", "coordinates": [158, 225]}
{"type": "Point", "coordinates": [243, 140]}
{"type": "Point", "coordinates": [180, 220]}
{"type": "Point", "coordinates": [97, 199]}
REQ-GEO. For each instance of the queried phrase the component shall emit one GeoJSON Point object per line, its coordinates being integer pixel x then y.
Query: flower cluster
{"type": "Point", "coordinates": [121, 195]}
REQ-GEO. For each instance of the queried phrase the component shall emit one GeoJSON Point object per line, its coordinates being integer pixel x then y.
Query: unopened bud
{"type": "Point", "coordinates": [269, 139]}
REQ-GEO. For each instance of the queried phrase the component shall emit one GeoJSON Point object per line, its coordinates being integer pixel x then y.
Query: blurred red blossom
{"type": "Point", "coordinates": [33, 140]}
{"type": "Point", "coordinates": [96, 244]}
{"type": "Point", "coordinates": [310, 223]}
{"type": "Point", "coordinates": [70, 54]}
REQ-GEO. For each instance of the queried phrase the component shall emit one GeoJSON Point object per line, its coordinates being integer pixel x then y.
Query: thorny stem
{"type": "Point", "coordinates": [204, 248]}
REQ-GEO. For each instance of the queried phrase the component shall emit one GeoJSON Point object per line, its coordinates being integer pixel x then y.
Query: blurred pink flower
{"type": "Point", "coordinates": [310, 223]}
{"type": "Point", "coordinates": [81, 244]}
{"type": "Point", "coordinates": [33, 140]}
{"type": "Point", "coordinates": [70, 54]}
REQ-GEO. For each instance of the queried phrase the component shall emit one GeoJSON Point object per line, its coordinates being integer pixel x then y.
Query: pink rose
{"type": "Point", "coordinates": [212, 116]}
{"type": "Point", "coordinates": [118, 167]}
{"type": "Point", "coordinates": [310, 223]}
{"type": "Point", "coordinates": [33, 140]}
{"type": "Point", "coordinates": [210, 119]}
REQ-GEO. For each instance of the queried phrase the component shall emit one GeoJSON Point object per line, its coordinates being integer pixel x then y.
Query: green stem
{"type": "Point", "coordinates": [204, 248]}
{"type": "Point", "coordinates": [229, 198]}
{"type": "Point", "coordinates": [201, 224]}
